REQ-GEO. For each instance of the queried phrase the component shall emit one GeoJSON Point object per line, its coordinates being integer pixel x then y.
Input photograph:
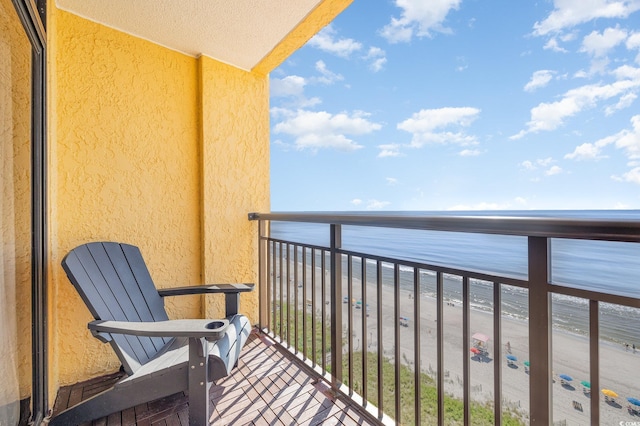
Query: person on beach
{"type": "Point", "coordinates": [508, 347]}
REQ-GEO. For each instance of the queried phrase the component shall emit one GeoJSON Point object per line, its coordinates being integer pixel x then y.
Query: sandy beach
{"type": "Point", "coordinates": [571, 404]}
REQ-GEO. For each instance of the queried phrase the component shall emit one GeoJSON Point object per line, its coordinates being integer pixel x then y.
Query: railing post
{"type": "Point", "coordinates": [263, 277]}
{"type": "Point", "coordinates": [539, 332]}
{"type": "Point", "coordinates": [336, 306]}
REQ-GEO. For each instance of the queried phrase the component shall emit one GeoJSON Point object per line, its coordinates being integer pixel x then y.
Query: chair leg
{"type": "Point", "coordinates": [198, 382]}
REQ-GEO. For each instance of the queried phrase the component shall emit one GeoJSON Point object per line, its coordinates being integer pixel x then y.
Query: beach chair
{"type": "Point", "coordinates": [161, 357]}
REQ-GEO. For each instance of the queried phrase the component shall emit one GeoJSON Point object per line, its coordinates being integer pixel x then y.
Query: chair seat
{"type": "Point", "coordinates": [223, 354]}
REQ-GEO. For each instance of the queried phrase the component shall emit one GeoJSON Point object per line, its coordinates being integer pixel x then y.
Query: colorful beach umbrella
{"type": "Point", "coordinates": [609, 393]}
{"type": "Point", "coordinates": [511, 357]}
{"type": "Point", "coordinates": [634, 401]}
{"type": "Point", "coordinates": [566, 377]}
{"type": "Point", "coordinates": [585, 384]}
{"type": "Point", "coordinates": [527, 363]}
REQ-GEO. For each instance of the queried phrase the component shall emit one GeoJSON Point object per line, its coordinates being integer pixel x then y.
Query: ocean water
{"type": "Point", "coordinates": [610, 267]}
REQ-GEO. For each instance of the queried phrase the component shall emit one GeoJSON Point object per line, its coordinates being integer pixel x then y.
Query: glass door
{"type": "Point", "coordinates": [15, 218]}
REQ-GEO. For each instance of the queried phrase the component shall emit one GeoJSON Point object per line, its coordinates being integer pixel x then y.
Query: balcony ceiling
{"type": "Point", "coordinates": [237, 32]}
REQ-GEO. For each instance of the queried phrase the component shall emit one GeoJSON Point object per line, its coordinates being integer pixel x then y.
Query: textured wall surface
{"type": "Point", "coordinates": [126, 168]}
{"type": "Point", "coordinates": [235, 167]}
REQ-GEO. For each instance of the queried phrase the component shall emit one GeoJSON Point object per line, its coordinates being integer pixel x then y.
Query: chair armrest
{"type": "Point", "coordinates": [209, 329]}
{"type": "Point", "coordinates": [206, 289]}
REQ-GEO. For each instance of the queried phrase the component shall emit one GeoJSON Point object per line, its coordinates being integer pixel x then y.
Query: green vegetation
{"type": "Point", "coordinates": [481, 414]}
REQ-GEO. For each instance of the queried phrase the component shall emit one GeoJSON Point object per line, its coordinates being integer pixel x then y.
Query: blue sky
{"type": "Point", "coordinates": [461, 105]}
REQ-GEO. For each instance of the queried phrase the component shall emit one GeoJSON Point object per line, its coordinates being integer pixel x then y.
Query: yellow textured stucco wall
{"type": "Point", "coordinates": [235, 164]}
{"type": "Point", "coordinates": [125, 158]}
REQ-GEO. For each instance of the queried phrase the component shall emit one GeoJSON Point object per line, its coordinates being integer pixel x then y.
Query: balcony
{"type": "Point", "coordinates": [504, 320]}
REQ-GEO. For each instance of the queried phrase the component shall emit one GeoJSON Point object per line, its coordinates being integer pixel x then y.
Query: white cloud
{"type": "Point", "coordinates": [377, 58]}
{"type": "Point", "coordinates": [569, 13]}
{"type": "Point", "coordinates": [326, 40]}
{"type": "Point", "coordinates": [633, 42]}
{"type": "Point", "coordinates": [356, 201]}
{"type": "Point", "coordinates": [550, 116]}
{"type": "Point", "coordinates": [389, 150]}
{"type": "Point", "coordinates": [528, 165]}
{"type": "Point", "coordinates": [377, 205]}
{"type": "Point", "coordinates": [553, 170]}
{"type": "Point", "coordinates": [418, 18]}
{"type": "Point", "coordinates": [542, 163]}
{"type": "Point", "coordinates": [552, 44]}
{"type": "Point", "coordinates": [586, 151]}
{"type": "Point", "coordinates": [598, 44]}
{"type": "Point", "coordinates": [521, 201]}
{"type": "Point", "coordinates": [427, 126]}
{"type": "Point", "coordinates": [625, 101]}
{"type": "Point", "coordinates": [391, 181]}
{"type": "Point", "coordinates": [327, 77]}
{"type": "Point", "coordinates": [632, 176]}
{"type": "Point", "coordinates": [317, 130]}
{"type": "Point", "coordinates": [628, 139]}
{"type": "Point", "coordinates": [470, 152]}
{"type": "Point", "coordinates": [539, 79]}
{"type": "Point", "coordinates": [291, 85]}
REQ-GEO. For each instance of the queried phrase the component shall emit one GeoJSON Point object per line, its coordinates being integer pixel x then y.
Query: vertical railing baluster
{"type": "Point", "coordinates": [380, 346]}
{"type": "Point", "coordinates": [274, 303]}
{"type": "Point", "coordinates": [296, 302]}
{"type": "Point", "coordinates": [304, 302]}
{"type": "Point", "coordinates": [497, 348]}
{"type": "Point", "coordinates": [323, 310]}
{"type": "Point", "coordinates": [416, 350]}
{"type": "Point", "coordinates": [594, 360]}
{"type": "Point", "coordinates": [313, 306]}
{"type": "Point", "coordinates": [281, 276]}
{"type": "Point", "coordinates": [439, 346]}
{"type": "Point", "coordinates": [336, 307]}
{"type": "Point", "coordinates": [466, 367]}
{"type": "Point", "coordinates": [350, 321]}
{"type": "Point", "coordinates": [396, 338]}
{"type": "Point", "coordinates": [263, 277]}
{"type": "Point", "coordinates": [539, 331]}
{"type": "Point", "coordinates": [288, 278]}
{"type": "Point", "coordinates": [363, 266]}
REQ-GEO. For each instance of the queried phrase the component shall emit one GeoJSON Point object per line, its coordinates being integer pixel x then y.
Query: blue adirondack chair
{"type": "Point", "coordinates": [160, 356]}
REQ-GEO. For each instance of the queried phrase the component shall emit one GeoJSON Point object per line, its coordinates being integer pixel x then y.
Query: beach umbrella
{"type": "Point", "coordinates": [634, 401]}
{"type": "Point", "coordinates": [475, 350]}
{"type": "Point", "coordinates": [527, 363]}
{"type": "Point", "coordinates": [585, 384]}
{"type": "Point", "coordinates": [566, 377]}
{"type": "Point", "coordinates": [609, 393]}
{"type": "Point", "coordinates": [512, 357]}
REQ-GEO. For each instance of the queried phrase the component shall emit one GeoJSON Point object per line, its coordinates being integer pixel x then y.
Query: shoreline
{"type": "Point", "coordinates": [570, 354]}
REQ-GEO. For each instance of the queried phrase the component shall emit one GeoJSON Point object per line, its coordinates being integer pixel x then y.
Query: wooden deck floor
{"type": "Point", "coordinates": [268, 388]}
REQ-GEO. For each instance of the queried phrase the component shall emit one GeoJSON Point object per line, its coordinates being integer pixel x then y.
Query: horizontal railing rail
{"type": "Point", "coordinates": [306, 289]}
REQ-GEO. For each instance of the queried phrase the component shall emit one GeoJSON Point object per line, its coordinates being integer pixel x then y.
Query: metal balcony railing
{"type": "Point", "coordinates": [357, 316]}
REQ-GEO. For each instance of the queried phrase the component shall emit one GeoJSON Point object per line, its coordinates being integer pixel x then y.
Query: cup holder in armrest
{"type": "Point", "coordinates": [215, 324]}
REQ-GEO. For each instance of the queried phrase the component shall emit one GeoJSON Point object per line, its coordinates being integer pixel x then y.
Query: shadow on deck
{"type": "Point", "coordinates": [269, 387]}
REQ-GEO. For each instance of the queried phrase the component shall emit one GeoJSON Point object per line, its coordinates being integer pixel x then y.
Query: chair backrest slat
{"type": "Point", "coordinates": [115, 284]}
